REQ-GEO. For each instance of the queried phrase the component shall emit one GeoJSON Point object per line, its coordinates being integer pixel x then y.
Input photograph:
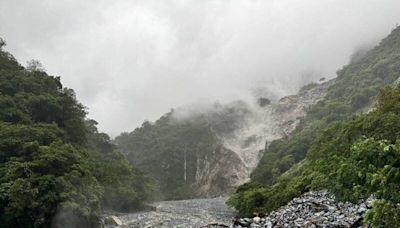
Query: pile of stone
{"type": "Point", "coordinates": [313, 209]}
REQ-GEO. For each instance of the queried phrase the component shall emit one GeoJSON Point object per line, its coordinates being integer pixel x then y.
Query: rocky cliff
{"type": "Point", "coordinates": [264, 123]}
{"type": "Point", "coordinates": [209, 152]}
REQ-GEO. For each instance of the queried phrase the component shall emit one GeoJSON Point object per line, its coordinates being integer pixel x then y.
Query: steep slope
{"type": "Point", "coordinates": [354, 160]}
{"type": "Point", "coordinates": [185, 157]}
{"type": "Point", "coordinates": [329, 136]}
{"type": "Point", "coordinates": [56, 170]}
{"type": "Point", "coordinates": [354, 90]}
{"type": "Point", "coordinates": [264, 124]}
{"type": "Point", "coordinates": [204, 153]}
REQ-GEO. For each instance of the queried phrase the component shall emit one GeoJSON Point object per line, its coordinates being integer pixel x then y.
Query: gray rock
{"type": "Point", "coordinates": [256, 219]}
{"type": "Point", "coordinates": [315, 209]}
{"type": "Point", "coordinates": [112, 220]}
{"type": "Point", "coordinates": [268, 224]}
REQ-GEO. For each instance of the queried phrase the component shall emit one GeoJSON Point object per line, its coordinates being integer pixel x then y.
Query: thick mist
{"type": "Point", "coordinates": [134, 60]}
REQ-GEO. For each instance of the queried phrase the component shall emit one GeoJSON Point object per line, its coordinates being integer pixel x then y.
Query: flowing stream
{"type": "Point", "coordinates": [182, 213]}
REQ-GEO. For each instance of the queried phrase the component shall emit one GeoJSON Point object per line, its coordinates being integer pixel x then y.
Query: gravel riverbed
{"type": "Point", "coordinates": [191, 213]}
{"type": "Point", "coordinates": [312, 209]}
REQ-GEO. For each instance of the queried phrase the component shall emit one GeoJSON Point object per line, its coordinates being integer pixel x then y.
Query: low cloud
{"type": "Point", "coordinates": [134, 60]}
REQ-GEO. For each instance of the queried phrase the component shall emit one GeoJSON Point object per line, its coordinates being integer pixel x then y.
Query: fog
{"type": "Point", "coordinates": [131, 61]}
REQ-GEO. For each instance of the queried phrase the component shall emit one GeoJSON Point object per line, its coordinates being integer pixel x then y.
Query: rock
{"type": "Point", "coordinates": [313, 209]}
{"type": "Point", "coordinates": [256, 219]}
{"type": "Point", "coordinates": [362, 209]}
{"type": "Point", "coordinates": [244, 222]}
{"type": "Point", "coordinates": [112, 220]}
{"type": "Point", "coordinates": [268, 224]}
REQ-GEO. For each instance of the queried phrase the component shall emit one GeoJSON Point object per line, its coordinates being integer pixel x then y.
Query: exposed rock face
{"type": "Point", "coordinates": [219, 174]}
{"type": "Point", "coordinates": [289, 109]}
{"type": "Point", "coordinates": [207, 153]}
{"type": "Point", "coordinates": [313, 209]}
{"type": "Point", "coordinates": [259, 125]}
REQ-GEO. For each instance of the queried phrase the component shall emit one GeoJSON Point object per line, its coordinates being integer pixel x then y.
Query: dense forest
{"type": "Point", "coordinates": [169, 152]}
{"type": "Point", "coordinates": [56, 169]}
{"type": "Point", "coordinates": [338, 147]}
{"type": "Point", "coordinates": [184, 154]}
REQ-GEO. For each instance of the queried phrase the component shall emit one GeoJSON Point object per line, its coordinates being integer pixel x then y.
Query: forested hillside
{"type": "Point", "coordinates": [185, 156]}
{"type": "Point", "coordinates": [209, 151]}
{"type": "Point", "coordinates": [347, 152]}
{"type": "Point", "coordinates": [56, 169]}
{"type": "Point", "coordinates": [354, 91]}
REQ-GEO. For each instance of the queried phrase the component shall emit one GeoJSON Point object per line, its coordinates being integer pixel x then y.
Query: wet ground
{"type": "Point", "coordinates": [183, 213]}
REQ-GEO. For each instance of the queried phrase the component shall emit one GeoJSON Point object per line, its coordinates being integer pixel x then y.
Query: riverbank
{"type": "Point", "coordinates": [180, 214]}
{"type": "Point", "coordinates": [312, 209]}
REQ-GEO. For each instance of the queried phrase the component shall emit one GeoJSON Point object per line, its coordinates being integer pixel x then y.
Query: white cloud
{"type": "Point", "coordinates": [134, 60]}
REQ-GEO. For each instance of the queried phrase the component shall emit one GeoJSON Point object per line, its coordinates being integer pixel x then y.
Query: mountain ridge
{"type": "Point", "coordinates": [237, 134]}
{"type": "Point", "coordinates": [344, 145]}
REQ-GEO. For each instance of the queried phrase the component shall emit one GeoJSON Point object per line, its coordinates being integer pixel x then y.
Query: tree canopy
{"type": "Point", "coordinates": [56, 169]}
{"type": "Point", "coordinates": [353, 155]}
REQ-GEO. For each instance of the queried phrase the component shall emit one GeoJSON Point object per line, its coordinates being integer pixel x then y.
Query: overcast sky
{"type": "Point", "coordinates": [131, 61]}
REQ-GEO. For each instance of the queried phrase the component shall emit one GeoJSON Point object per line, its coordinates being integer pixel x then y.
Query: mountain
{"type": "Point", "coordinates": [207, 152]}
{"type": "Point", "coordinates": [274, 151]}
{"type": "Point", "coordinates": [347, 143]}
{"type": "Point", "coordinates": [56, 169]}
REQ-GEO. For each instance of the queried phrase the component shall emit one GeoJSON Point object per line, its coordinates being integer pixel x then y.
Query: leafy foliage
{"type": "Point", "coordinates": [354, 90]}
{"type": "Point", "coordinates": [352, 157]}
{"type": "Point", "coordinates": [56, 168]}
{"type": "Point", "coordinates": [353, 160]}
{"type": "Point", "coordinates": [162, 149]}
{"type": "Point", "coordinates": [125, 187]}
{"type": "Point", "coordinates": [181, 149]}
